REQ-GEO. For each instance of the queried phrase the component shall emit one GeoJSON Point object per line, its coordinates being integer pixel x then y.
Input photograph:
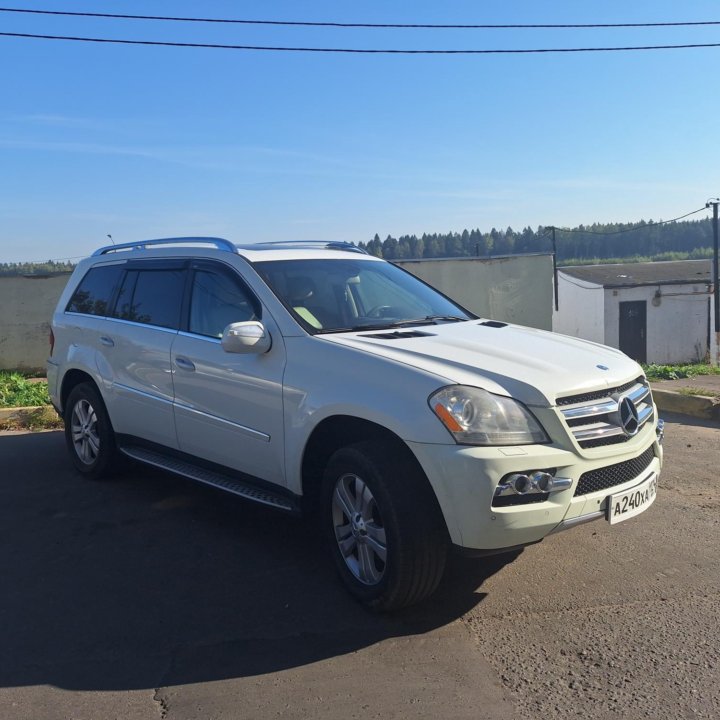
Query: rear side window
{"type": "Point", "coordinates": [95, 291]}
{"type": "Point", "coordinates": [152, 297]}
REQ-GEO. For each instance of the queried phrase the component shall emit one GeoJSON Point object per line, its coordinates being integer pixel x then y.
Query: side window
{"type": "Point", "coordinates": [123, 304]}
{"type": "Point", "coordinates": [218, 300]}
{"type": "Point", "coordinates": [94, 293]}
{"type": "Point", "coordinates": [153, 297]}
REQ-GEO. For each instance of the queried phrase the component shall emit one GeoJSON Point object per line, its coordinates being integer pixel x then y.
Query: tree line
{"type": "Point", "coordinates": [51, 267]}
{"type": "Point", "coordinates": [585, 243]}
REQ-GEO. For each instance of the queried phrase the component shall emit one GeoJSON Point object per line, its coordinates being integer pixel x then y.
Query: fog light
{"type": "Point", "coordinates": [521, 483]}
{"type": "Point", "coordinates": [542, 481]}
{"type": "Point", "coordinates": [531, 486]}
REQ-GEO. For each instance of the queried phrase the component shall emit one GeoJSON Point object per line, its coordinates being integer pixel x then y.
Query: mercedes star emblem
{"type": "Point", "coordinates": [629, 419]}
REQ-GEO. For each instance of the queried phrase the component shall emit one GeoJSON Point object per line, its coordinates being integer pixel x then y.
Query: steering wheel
{"type": "Point", "coordinates": [378, 311]}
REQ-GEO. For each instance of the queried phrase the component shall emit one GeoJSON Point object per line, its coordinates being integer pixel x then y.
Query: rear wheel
{"type": "Point", "coordinates": [385, 530]}
{"type": "Point", "coordinates": [88, 432]}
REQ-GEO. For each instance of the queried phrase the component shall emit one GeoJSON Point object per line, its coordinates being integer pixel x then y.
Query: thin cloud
{"type": "Point", "coordinates": [209, 157]}
{"type": "Point", "coordinates": [75, 147]}
{"type": "Point", "coordinates": [56, 121]}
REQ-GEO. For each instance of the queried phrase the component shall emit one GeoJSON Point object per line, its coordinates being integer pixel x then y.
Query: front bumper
{"type": "Point", "coordinates": [465, 478]}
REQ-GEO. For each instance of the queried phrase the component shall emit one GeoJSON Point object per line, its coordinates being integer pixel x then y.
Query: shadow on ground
{"type": "Point", "coordinates": [148, 580]}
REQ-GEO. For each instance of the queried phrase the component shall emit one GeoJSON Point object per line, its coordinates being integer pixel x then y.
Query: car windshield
{"type": "Point", "coordinates": [336, 295]}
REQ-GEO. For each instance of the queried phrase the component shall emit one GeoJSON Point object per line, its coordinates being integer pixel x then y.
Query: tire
{"type": "Point", "coordinates": [88, 432]}
{"type": "Point", "coordinates": [384, 527]}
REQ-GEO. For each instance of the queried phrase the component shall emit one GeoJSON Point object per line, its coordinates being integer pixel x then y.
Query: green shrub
{"type": "Point", "coordinates": [677, 372]}
{"type": "Point", "coordinates": [18, 391]}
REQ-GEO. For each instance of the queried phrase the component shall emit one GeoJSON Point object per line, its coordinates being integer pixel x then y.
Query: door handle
{"type": "Point", "coordinates": [184, 364]}
{"type": "Point", "coordinates": [107, 341]}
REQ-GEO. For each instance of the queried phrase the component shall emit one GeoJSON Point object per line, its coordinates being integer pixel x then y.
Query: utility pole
{"type": "Point", "coordinates": [555, 274]}
{"type": "Point", "coordinates": [716, 276]}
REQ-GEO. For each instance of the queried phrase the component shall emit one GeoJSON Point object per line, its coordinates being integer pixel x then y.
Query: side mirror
{"type": "Point", "coordinates": [246, 337]}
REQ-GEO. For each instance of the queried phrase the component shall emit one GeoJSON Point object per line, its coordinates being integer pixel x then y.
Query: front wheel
{"type": "Point", "coordinates": [88, 432]}
{"type": "Point", "coordinates": [384, 527]}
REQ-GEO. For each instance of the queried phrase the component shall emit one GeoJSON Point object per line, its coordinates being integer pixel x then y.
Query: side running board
{"type": "Point", "coordinates": [210, 477]}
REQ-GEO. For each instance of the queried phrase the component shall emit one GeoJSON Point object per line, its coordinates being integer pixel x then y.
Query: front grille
{"type": "Point", "coordinates": [594, 418]}
{"type": "Point", "coordinates": [602, 442]}
{"type": "Point", "coordinates": [612, 475]}
{"type": "Point", "coordinates": [598, 394]}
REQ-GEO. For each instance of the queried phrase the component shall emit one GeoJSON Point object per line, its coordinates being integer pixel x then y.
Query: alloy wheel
{"type": "Point", "coordinates": [84, 430]}
{"type": "Point", "coordinates": [359, 530]}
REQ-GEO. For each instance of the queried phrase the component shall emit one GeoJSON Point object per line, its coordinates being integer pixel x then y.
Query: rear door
{"type": "Point", "coordinates": [228, 407]}
{"type": "Point", "coordinates": [137, 342]}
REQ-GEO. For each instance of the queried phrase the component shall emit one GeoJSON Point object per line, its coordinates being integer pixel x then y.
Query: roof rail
{"type": "Point", "coordinates": [219, 243]}
{"type": "Point", "coordinates": [294, 244]}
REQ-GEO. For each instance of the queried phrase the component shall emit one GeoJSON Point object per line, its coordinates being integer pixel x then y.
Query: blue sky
{"type": "Point", "coordinates": [141, 142]}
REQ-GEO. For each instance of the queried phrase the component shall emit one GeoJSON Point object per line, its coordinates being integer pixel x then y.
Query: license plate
{"type": "Point", "coordinates": [624, 505]}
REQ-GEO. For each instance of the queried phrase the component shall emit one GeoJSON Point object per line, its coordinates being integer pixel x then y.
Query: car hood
{"type": "Point", "coordinates": [533, 366]}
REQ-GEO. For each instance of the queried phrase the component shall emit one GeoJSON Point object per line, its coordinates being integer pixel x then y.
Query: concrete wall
{"type": "Point", "coordinates": [677, 322]}
{"type": "Point", "coordinates": [26, 306]}
{"type": "Point", "coordinates": [581, 309]}
{"type": "Point", "coordinates": [516, 289]}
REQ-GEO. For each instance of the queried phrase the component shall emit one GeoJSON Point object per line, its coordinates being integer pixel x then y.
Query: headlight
{"type": "Point", "coordinates": [476, 417]}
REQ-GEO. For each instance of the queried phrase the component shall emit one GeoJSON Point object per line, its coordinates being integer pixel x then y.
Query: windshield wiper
{"type": "Point", "coordinates": [427, 320]}
{"type": "Point", "coordinates": [446, 318]}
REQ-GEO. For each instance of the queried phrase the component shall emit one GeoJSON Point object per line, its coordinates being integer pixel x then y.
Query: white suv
{"type": "Point", "coordinates": [314, 377]}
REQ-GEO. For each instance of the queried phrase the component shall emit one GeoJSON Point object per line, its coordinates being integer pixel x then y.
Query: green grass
{"type": "Point", "coordinates": [677, 372]}
{"type": "Point", "coordinates": [17, 391]}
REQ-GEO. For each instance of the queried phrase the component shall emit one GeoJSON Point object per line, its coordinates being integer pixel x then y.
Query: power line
{"type": "Point", "coordinates": [362, 51]}
{"type": "Point", "coordinates": [295, 23]}
{"type": "Point", "coordinates": [632, 229]}
{"type": "Point", "coordinates": [403, 26]}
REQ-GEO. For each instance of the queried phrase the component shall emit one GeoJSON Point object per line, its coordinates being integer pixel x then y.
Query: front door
{"type": "Point", "coordinates": [228, 406]}
{"type": "Point", "coordinates": [633, 329]}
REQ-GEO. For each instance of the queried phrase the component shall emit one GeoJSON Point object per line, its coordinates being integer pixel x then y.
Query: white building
{"type": "Point", "coordinates": [660, 312]}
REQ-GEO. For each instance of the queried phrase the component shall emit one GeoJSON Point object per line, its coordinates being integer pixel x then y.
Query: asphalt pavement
{"type": "Point", "coordinates": [148, 596]}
